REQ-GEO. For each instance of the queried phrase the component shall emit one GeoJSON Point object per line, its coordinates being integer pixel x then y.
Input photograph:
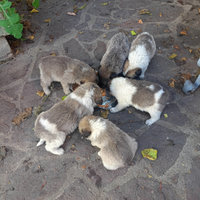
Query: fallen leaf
{"type": "Point", "coordinates": [129, 111]}
{"type": "Point", "coordinates": [83, 167]}
{"type": "Point", "coordinates": [64, 97]}
{"type": "Point", "coordinates": [139, 30]}
{"type": "Point", "coordinates": [104, 113]}
{"type": "Point", "coordinates": [43, 185]}
{"type": "Point", "coordinates": [22, 116]}
{"type": "Point", "coordinates": [149, 176]}
{"type": "Point", "coordinates": [167, 31]}
{"type": "Point", "coordinates": [70, 13]}
{"type": "Point", "coordinates": [183, 59]}
{"type": "Point", "coordinates": [199, 10]}
{"type": "Point", "coordinates": [40, 93]}
{"type": "Point", "coordinates": [75, 86]}
{"type": "Point", "coordinates": [166, 115]}
{"type": "Point", "coordinates": [47, 20]}
{"type": "Point", "coordinates": [56, 13]}
{"type": "Point", "coordinates": [160, 14]}
{"type": "Point", "coordinates": [104, 4]}
{"type": "Point", "coordinates": [104, 36]}
{"type": "Point", "coordinates": [172, 56]}
{"type": "Point", "coordinates": [82, 7]}
{"type": "Point", "coordinates": [81, 32]}
{"type": "Point", "coordinates": [53, 54]}
{"type": "Point", "coordinates": [185, 77]}
{"type": "Point", "coordinates": [183, 32]}
{"type": "Point", "coordinates": [34, 11]}
{"type": "Point", "coordinates": [72, 147]}
{"type": "Point", "coordinates": [145, 11]}
{"type": "Point", "coordinates": [171, 84]}
{"type": "Point", "coordinates": [176, 47]}
{"type": "Point", "coordinates": [151, 154]}
{"type": "Point", "coordinates": [30, 37]}
{"type": "Point", "coordinates": [160, 186]}
{"type": "Point", "coordinates": [190, 50]}
{"type": "Point", "coordinates": [140, 21]}
{"type": "Point", "coordinates": [78, 158]}
{"type": "Point", "coordinates": [133, 33]}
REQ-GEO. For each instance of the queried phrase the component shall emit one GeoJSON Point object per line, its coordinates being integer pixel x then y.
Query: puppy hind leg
{"type": "Point", "coordinates": [55, 150]}
{"type": "Point", "coordinates": [154, 117]}
{"type": "Point", "coordinates": [65, 87]}
{"type": "Point", "coordinates": [118, 108]}
{"type": "Point", "coordinates": [40, 142]}
{"type": "Point", "coordinates": [45, 85]}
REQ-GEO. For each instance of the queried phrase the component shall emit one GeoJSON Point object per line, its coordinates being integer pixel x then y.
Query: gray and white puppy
{"type": "Point", "coordinates": [62, 119]}
{"type": "Point", "coordinates": [143, 95]}
{"type": "Point", "coordinates": [113, 60]}
{"type": "Point", "coordinates": [65, 70]}
{"type": "Point", "coordinates": [141, 52]}
{"type": "Point", "coordinates": [117, 149]}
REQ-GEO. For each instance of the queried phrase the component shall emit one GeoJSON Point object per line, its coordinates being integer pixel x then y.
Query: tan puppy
{"type": "Point", "coordinates": [65, 70]}
{"type": "Point", "coordinates": [117, 149]}
{"type": "Point", "coordinates": [113, 60]}
{"type": "Point", "coordinates": [62, 119]}
{"type": "Point", "coordinates": [143, 95]}
{"type": "Point", "coordinates": [142, 51]}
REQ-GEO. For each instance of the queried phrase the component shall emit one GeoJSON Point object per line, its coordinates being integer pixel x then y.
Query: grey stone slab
{"type": "Point", "coordinates": [130, 24]}
{"type": "Point", "coordinates": [185, 2]}
{"type": "Point", "coordinates": [74, 50]}
{"type": "Point", "coordinates": [132, 4]}
{"type": "Point", "coordinates": [191, 39]}
{"type": "Point", "coordinates": [156, 137]}
{"type": "Point", "coordinates": [81, 26]}
{"type": "Point", "coordinates": [89, 47]}
{"type": "Point", "coordinates": [36, 71]}
{"type": "Point", "coordinates": [124, 14]}
{"type": "Point", "coordinates": [100, 50]}
{"type": "Point", "coordinates": [174, 115]}
{"type": "Point", "coordinates": [141, 188]}
{"type": "Point", "coordinates": [87, 18]}
{"type": "Point", "coordinates": [39, 179]}
{"type": "Point", "coordinates": [169, 13]}
{"type": "Point", "coordinates": [101, 10]}
{"type": "Point", "coordinates": [5, 51]}
{"type": "Point", "coordinates": [14, 70]}
{"type": "Point", "coordinates": [157, 29]}
{"type": "Point", "coordinates": [89, 35]}
{"type": "Point", "coordinates": [192, 180]}
{"type": "Point", "coordinates": [105, 24]}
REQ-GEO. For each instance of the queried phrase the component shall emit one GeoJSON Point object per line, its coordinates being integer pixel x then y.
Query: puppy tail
{"type": "Point", "coordinates": [40, 142]}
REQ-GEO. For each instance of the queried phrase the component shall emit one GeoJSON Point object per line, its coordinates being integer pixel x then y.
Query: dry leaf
{"type": "Point", "coordinates": [70, 13]}
{"type": "Point", "coordinates": [129, 111]}
{"type": "Point", "coordinates": [104, 4]}
{"type": "Point", "coordinates": [30, 37]}
{"type": "Point", "coordinates": [190, 50]}
{"type": "Point", "coordinates": [160, 14]}
{"type": "Point", "coordinates": [182, 59]}
{"type": "Point", "coordinates": [151, 154]}
{"type": "Point", "coordinates": [166, 115]}
{"type": "Point", "coordinates": [53, 54]}
{"type": "Point", "coordinates": [199, 10]}
{"type": "Point", "coordinates": [185, 77]}
{"type": "Point", "coordinates": [173, 56]}
{"type": "Point", "coordinates": [40, 93]}
{"type": "Point", "coordinates": [104, 113]}
{"type": "Point", "coordinates": [139, 30]}
{"type": "Point", "coordinates": [176, 47]}
{"type": "Point", "coordinates": [34, 11]}
{"type": "Point", "coordinates": [149, 176]}
{"type": "Point", "coordinates": [22, 116]}
{"type": "Point", "coordinates": [81, 32]}
{"type": "Point", "coordinates": [183, 32]}
{"type": "Point", "coordinates": [43, 185]}
{"type": "Point", "coordinates": [73, 147]}
{"type": "Point", "coordinates": [47, 20]}
{"type": "Point", "coordinates": [83, 167]}
{"type": "Point", "coordinates": [167, 31]}
{"type": "Point", "coordinates": [145, 11]}
{"type": "Point", "coordinates": [140, 21]}
{"type": "Point", "coordinates": [171, 84]}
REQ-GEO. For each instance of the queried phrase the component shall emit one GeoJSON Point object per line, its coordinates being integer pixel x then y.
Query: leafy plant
{"type": "Point", "coordinates": [11, 23]}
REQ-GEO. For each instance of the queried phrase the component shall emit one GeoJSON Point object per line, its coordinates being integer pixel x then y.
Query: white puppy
{"type": "Point", "coordinates": [113, 60]}
{"type": "Point", "coordinates": [141, 52]}
{"type": "Point", "coordinates": [117, 149]}
{"type": "Point", "coordinates": [143, 95]}
{"type": "Point", "coordinates": [62, 119]}
{"type": "Point", "coordinates": [65, 70]}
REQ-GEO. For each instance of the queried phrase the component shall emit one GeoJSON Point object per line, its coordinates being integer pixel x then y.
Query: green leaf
{"type": "Point", "coordinates": [133, 33]}
{"type": "Point", "coordinates": [173, 56]}
{"type": "Point", "coordinates": [36, 3]}
{"type": "Point", "coordinates": [166, 115]}
{"type": "Point", "coordinates": [64, 97]}
{"type": "Point", "coordinates": [104, 4]}
{"type": "Point", "coordinates": [6, 5]}
{"type": "Point", "coordinates": [151, 154]}
{"type": "Point", "coordinates": [82, 7]}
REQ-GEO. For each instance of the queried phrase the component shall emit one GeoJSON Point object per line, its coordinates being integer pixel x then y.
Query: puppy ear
{"type": "Point", "coordinates": [86, 133]}
{"type": "Point", "coordinates": [138, 72]}
{"type": "Point", "coordinates": [113, 75]}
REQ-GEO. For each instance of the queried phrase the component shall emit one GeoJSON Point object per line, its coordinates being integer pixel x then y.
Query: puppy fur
{"type": "Point", "coordinates": [117, 149]}
{"type": "Point", "coordinates": [143, 95]}
{"type": "Point", "coordinates": [62, 119]}
{"type": "Point", "coordinates": [65, 70]}
{"type": "Point", "coordinates": [113, 60]}
{"type": "Point", "coordinates": [141, 52]}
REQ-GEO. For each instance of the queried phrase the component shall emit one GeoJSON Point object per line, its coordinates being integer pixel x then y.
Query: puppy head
{"type": "Point", "coordinates": [97, 96]}
{"type": "Point", "coordinates": [126, 65]}
{"type": "Point", "coordinates": [134, 73]}
{"type": "Point", "coordinates": [91, 76]}
{"type": "Point", "coordinates": [104, 77]}
{"type": "Point", "coordinates": [84, 127]}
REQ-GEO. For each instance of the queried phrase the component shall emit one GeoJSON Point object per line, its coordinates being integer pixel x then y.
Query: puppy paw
{"type": "Point", "coordinates": [149, 122]}
{"type": "Point", "coordinates": [113, 110]}
{"type": "Point", "coordinates": [59, 151]}
{"type": "Point", "coordinates": [47, 92]}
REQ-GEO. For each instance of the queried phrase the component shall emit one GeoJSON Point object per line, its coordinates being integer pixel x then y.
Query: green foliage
{"type": "Point", "coordinates": [36, 3]}
{"type": "Point", "coordinates": [11, 23]}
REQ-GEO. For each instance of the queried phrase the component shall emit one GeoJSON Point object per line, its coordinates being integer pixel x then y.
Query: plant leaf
{"type": "Point", "coordinates": [36, 3]}
{"type": "Point", "coordinates": [133, 33]}
{"type": "Point", "coordinates": [172, 56]}
{"type": "Point", "coordinates": [151, 154]}
{"type": "Point", "coordinates": [166, 115]}
{"type": "Point", "coordinates": [104, 4]}
{"type": "Point", "coordinates": [82, 7]}
{"type": "Point", "coordinates": [6, 5]}
{"type": "Point", "coordinates": [64, 97]}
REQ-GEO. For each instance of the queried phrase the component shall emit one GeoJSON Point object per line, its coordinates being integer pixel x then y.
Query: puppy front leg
{"type": "Point", "coordinates": [54, 150]}
{"type": "Point", "coordinates": [154, 117]}
{"type": "Point", "coordinates": [118, 108]}
{"type": "Point", "coordinates": [45, 86]}
{"type": "Point", "coordinates": [65, 86]}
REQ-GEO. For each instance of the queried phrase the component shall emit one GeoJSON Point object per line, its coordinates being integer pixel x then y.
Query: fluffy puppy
{"type": "Point", "coordinates": [117, 149]}
{"type": "Point", "coordinates": [143, 95]}
{"type": "Point", "coordinates": [62, 119]}
{"type": "Point", "coordinates": [113, 60]}
{"type": "Point", "coordinates": [65, 70]}
{"type": "Point", "coordinates": [141, 52]}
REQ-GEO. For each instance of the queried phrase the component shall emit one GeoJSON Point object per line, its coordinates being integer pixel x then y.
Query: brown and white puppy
{"type": "Point", "coordinates": [143, 95]}
{"type": "Point", "coordinates": [62, 119]}
{"type": "Point", "coordinates": [65, 70]}
{"type": "Point", "coordinates": [113, 60]}
{"type": "Point", "coordinates": [141, 52]}
{"type": "Point", "coordinates": [117, 149]}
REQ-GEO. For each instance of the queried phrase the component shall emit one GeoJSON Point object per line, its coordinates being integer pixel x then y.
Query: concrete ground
{"type": "Point", "coordinates": [28, 172]}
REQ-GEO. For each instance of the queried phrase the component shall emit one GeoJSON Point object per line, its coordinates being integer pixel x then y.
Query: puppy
{"type": "Point", "coordinates": [62, 119]}
{"type": "Point", "coordinates": [113, 60]}
{"type": "Point", "coordinates": [117, 149]}
{"type": "Point", "coordinates": [141, 52]}
{"type": "Point", "coordinates": [65, 70]}
{"type": "Point", "coordinates": [143, 95]}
